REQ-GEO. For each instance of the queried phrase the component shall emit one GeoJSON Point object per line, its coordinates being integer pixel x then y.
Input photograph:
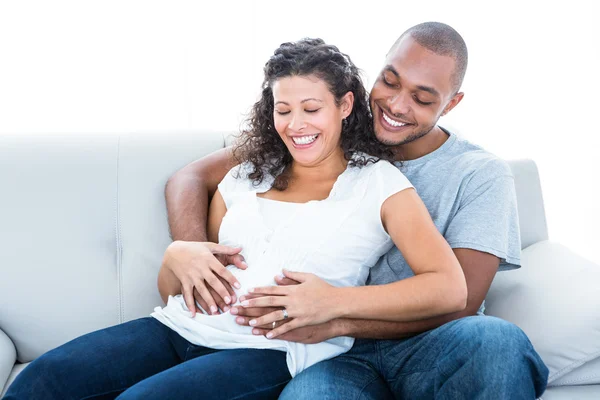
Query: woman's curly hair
{"type": "Point", "coordinates": [260, 144]}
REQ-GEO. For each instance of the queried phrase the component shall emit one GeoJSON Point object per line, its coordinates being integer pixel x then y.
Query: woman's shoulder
{"type": "Point", "coordinates": [239, 179]}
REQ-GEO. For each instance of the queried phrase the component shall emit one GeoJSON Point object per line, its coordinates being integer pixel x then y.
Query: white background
{"type": "Point", "coordinates": [532, 86]}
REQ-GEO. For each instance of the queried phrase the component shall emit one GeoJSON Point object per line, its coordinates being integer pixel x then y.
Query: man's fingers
{"type": "Point", "coordinates": [260, 331]}
{"type": "Point", "coordinates": [188, 297]}
{"type": "Point", "coordinates": [280, 330]}
{"type": "Point", "coordinates": [275, 316]}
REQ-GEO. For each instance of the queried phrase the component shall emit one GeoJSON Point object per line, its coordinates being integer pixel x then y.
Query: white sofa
{"type": "Point", "coordinates": [83, 228]}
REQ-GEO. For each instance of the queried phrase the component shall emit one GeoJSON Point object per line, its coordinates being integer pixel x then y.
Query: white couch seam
{"type": "Point", "coordinates": [118, 237]}
{"type": "Point", "coordinates": [571, 367]}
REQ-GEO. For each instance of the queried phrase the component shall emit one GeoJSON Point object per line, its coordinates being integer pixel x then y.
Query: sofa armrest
{"type": "Point", "coordinates": [530, 203]}
{"type": "Point", "coordinates": [555, 299]}
{"type": "Point", "coordinates": [8, 356]}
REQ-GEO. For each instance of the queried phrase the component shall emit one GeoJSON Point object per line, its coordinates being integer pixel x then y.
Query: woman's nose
{"type": "Point", "coordinates": [297, 123]}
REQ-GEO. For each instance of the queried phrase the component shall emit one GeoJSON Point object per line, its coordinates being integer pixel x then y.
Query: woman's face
{"type": "Point", "coordinates": [307, 118]}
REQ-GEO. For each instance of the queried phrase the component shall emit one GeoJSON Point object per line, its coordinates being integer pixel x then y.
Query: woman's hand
{"type": "Point", "coordinates": [199, 266]}
{"type": "Point", "coordinates": [311, 302]}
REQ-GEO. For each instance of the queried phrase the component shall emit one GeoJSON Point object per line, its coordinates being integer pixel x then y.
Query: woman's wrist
{"type": "Point", "coordinates": [337, 304]}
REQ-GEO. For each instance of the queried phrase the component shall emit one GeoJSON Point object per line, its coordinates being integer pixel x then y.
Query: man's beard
{"type": "Point", "coordinates": [409, 139]}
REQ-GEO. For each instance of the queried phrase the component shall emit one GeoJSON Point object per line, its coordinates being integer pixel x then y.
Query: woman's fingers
{"type": "Point", "coordinates": [212, 279]}
{"type": "Point", "coordinates": [210, 302]}
{"type": "Point", "coordinates": [188, 296]}
{"type": "Point", "coordinates": [200, 301]}
{"type": "Point", "coordinates": [226, 274]}
{"type": "Point", "coordinates": [266, 301]}
{"type": "Point", "coordinates": [218, 299]}
{"type": "Point", "coordinates": [222, 249]}
{"type": "Point", "coordinates": [270, 290]}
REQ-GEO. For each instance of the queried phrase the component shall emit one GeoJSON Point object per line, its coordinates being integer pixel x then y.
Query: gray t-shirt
{"type": "Point", "coordinates": [471, 198]}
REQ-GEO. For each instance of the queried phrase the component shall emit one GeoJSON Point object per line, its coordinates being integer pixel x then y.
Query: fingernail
{"type": "Point", "coordinates": [237, 285]}
{"type": "Point", "coordinates": [226, 308]}
{"type": "Point", "coordinates": [233, 310]}
{"type": "Point", "coordinates": [245, 263]}
{"type": "Point", "coordinates": [227, 299]}
{"type": "Point", "coordinates": [251, 290]}
{"type": "Point", "coordinates": [213, 309]}
{"type": "Point", "coordinates": [269, 335]}
{"type": "Point", "coordinates": [253, 322]}
{"type": "Point", "coordinates": [240, 320]}
{"type": "Point", "coordinates": [245, 303]}
{"type": "Point", "coordinates": [242, 298]}
{"type": "Point", "coordinates": [255, 332]}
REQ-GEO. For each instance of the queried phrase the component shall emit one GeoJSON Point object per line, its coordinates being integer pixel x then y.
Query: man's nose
{"type": "Point", "coordinates": [399, 104]}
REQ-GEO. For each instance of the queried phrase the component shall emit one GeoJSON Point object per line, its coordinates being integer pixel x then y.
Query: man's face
{"type": "Point", "coordinates": [411, 93]}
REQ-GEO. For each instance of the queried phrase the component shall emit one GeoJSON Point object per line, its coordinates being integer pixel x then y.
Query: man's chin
{"type": "Point", "coordinates": [391, 139]}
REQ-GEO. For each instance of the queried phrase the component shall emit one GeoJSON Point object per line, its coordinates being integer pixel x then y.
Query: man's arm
{"type": "Point", "coordinates": [479, 269]}
{"type": "Point", "coordinates": [188, 193]}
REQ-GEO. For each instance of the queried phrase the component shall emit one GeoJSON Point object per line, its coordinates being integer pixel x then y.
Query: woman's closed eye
{"type": "Point", "coordinates": [312, 110]}
{"type": "Point", "coordinates": [282, 112]}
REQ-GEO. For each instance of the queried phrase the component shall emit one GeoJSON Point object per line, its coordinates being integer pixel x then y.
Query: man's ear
{"type": "Point", "coordinates": [453, 102]}
{"type": "Point", "coordinates": [347, 104]}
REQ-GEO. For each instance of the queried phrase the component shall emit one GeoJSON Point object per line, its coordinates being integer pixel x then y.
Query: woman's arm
{"type": "Point", "coordinates": [437, 288]}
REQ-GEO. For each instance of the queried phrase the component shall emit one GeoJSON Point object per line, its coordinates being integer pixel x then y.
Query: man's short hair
{"type": "Point", "coordinates": [443, 40]}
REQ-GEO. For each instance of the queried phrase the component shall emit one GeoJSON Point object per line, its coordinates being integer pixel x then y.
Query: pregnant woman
{"type": "Point", "coordinates": [314, 194]}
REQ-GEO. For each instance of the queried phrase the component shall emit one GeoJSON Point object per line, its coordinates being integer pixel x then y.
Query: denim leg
{"type": "Point", "coordinates": [343, 377]}
{"type": "Point", "coordinates": [228, 374]}
{"type": "Point", "coordinates": [98, 365]}
{"type": "Point", "coordinates": [476, 357]}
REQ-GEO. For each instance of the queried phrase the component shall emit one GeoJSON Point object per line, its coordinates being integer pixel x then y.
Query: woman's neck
{"type": "Point", "coordinates": [326, 170]}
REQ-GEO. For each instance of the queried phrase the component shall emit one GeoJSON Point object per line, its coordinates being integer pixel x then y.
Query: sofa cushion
{"type": "Point", "coordinates": [555, 299]}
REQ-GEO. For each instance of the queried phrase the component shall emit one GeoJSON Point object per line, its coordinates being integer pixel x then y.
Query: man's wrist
{"type": "Point", "coordinates": [341, 327]}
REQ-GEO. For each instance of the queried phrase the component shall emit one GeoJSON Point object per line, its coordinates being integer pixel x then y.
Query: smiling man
{"type": "Point", "coordinates": [470, 196]}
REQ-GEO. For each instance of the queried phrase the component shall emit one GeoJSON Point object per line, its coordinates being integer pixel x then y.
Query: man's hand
{"type": "Point", "coordinates": [307, 303]}
{"type": "Point", "coordinates": [199, 266]}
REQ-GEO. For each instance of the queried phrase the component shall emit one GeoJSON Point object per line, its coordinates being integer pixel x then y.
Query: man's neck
{"type": "Point", "coordinates": [423, 146]}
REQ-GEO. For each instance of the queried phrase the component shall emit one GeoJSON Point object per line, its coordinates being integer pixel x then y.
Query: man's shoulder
{"type": "Point", "coordinates": [477, 162]}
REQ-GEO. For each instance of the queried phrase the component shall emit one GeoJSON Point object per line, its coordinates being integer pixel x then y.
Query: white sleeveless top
{"type": "Point", "coordinates": [338, 239]}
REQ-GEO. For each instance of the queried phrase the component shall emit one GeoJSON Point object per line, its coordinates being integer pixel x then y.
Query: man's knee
{"type": "Point", "coordinates": [495, 347]}
{"type": "Point", "coordinates": [339, 378]}
{"type": "Point", "coordinates": [492, 335]}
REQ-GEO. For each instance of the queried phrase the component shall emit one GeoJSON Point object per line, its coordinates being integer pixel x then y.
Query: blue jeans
{"type": "Point", "coordinates": [470, 358]}
{"type": "Point", "coordinates": [144, 359]}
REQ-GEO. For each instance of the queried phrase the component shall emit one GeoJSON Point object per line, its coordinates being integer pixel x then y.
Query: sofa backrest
{"type": "Point", "coordinates": [83, 228]}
